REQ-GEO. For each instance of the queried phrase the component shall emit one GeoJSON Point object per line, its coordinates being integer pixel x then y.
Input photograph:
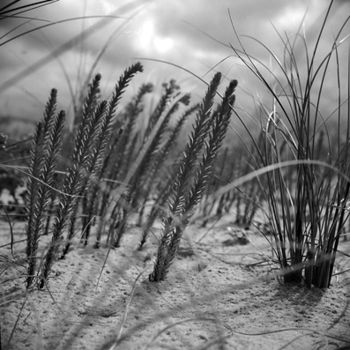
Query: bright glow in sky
{"type": "Point", "coordinates": [148, 40]}
{"type": "Point", "coordinates": [290, 18]}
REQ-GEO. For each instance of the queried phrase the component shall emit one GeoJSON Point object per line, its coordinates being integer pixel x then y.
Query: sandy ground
{"type": "Point", "coordinates": [218, 295]}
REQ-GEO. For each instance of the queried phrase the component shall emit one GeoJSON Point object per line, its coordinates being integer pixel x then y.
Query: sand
{"type": "Point", "coordinates": [219, 294]}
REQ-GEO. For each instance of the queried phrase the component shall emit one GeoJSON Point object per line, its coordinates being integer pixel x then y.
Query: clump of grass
{"type": "Point", "coordinates": [150, 160]}
{"type": "Point", "coordinates": [134, 162]}
{"type": "Point", "coordinates": [74, 180]}
{"type": "Point", "coordinates": [115, 165]}
{"type": "Point", "coordinates": [91, 141]}
{"type": "Point", "coordinates": [46, 146]}
{"type": "Point", "coordinates": [192, 177]}
{"type": "Point", "coordinates": [308, 213]}
{"type": "Point", "coordinates": [99, 147]}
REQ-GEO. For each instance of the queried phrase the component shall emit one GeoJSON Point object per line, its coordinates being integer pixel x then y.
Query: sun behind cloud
{"type": "Point", "coordinates": [148, 41]}
{"type": "Point", "coordinates": [290, 17]}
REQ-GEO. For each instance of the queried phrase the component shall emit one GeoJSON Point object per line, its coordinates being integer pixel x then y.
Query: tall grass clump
{"type": "Point", "coordinates": [91, 142]}
{"type": "Point", "coordinates": [135, 163]}
{"type": "Point", "coordinates": [74, 182]}
{"type": "Point", "coordinates": [194, 172]}
{"type": "Point", "coordinates": [115, 165]}
{"type": "Point", "coordinates": [102, 141]}
{"type": "Point", "coordinates": [46, 147]}
{"type": "Point", "coordinates": [307, 209]}
{"type": "Point", "coordinates": [149, 164]}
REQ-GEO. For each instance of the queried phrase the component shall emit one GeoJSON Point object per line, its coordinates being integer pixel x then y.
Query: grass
{"type": "Point", "coordinates": [116, 174]}
{"type": "Point", "coordinates": [46, 146]}
{"type": "Point", "coordinates": [307, 214]}
{"type": "Point", "coordinates": [91, 141]}
{"type": "Point", "coordinates": [89, 162]}
{"type": "Point", "coordinates": [191, 181]}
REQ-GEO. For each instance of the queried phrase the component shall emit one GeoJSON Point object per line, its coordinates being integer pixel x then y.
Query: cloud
{"type": "Point", "coordinates": [165, 30]}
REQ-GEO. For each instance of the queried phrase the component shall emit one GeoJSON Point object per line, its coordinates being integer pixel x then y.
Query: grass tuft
{"type": "Point", "coordinates": [91, 140]}
{"type": "Point", "coordinates": [192, 178]}
{"type": "Point", "coordinates": [307, 205]}
{"type": "Point", "coordinates": [45, 150]}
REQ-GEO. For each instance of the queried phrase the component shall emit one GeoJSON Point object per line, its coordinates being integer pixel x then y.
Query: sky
{"type": "Point", "coordinates": [194, 37]}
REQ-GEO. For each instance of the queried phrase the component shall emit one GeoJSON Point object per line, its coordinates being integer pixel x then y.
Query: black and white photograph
{"type": "Point", "coordinates": [174, 174]}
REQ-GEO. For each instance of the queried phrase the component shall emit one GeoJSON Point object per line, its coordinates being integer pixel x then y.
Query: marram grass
{"type": "Point", "coordinates": [307, 213]}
